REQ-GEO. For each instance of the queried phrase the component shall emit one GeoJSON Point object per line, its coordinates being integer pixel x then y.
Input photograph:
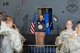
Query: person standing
{"type": "Point", "coordinates": [64, 35]}
{"type": "Point", "coordinates": [11, 25]}
{"type": "Point", "coordinates": [14, 35]}
{"type": "Point", "coordinates": [9, 22]}
{"type": "Point", "coordinates": [72, 45]}
{"type": "Point", "coordinates": [40, 35]}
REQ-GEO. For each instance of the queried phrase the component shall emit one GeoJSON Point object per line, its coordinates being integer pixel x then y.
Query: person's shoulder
{"type": "Point", "coordinates": [58, 37]}
{"type": "Point", "coordinates": [62, 32]}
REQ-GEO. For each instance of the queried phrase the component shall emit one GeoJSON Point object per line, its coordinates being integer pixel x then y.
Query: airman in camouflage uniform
{"type": "Point", "coordinates": [72, 45]}
{"type": "Point", "coordinates": [64, 35]}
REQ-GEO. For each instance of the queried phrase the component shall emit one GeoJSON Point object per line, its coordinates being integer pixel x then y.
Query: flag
{"type": "Point", "coordinates": [50, 19]}
{"type": "Point", "coordinates": [32, 26]}
{"type": "Point", "coordinates": [46, 19]}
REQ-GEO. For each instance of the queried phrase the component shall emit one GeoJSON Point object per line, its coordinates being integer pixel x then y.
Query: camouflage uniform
{"type": "Point", "coordinates": [72, 45]}
{"type": "Point", "coordinates": [14, 37]}
{"type": "Point", "coordinates": [5, 43]}
{"type": "Point", "coordinates": [64, 35]}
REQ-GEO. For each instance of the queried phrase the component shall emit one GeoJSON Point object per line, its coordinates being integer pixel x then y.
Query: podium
{"type": "Point", "coordinates": [40, 34]}
{"type": "Point", "coordinates": [40, 28]}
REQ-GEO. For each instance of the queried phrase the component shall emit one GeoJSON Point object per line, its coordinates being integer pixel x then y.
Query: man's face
{"type": "Point", "coordinates": [9, 22]}
{"type": "Point", "coordinates": [41, 17]}
{"type": "Point", "coordinates": [69, 24]}
{"type": "Point", "coordinates": [77, 28]}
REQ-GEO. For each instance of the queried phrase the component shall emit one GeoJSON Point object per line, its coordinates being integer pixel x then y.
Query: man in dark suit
{"type": "Point", "coordinates": [40, 31]}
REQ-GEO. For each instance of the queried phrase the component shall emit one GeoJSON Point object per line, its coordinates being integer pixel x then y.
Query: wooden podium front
{"type": "Point", "coordinates": [40, 34]}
